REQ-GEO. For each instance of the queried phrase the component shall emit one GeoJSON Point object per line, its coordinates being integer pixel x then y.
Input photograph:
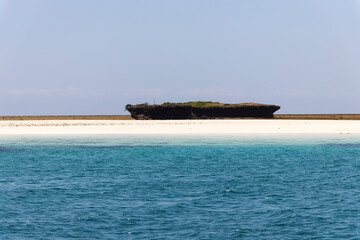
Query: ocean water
{"type": "Point", "coordinates": [180, 187]}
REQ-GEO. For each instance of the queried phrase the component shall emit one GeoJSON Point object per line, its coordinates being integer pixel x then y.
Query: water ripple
{"type": "Point", "coordinates": [349, 145]}
{"type": "Point", "coordinates": [81, 189]}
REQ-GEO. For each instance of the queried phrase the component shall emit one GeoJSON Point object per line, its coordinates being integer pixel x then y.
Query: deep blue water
{"type": "Point", "coordinates": [180, 187]}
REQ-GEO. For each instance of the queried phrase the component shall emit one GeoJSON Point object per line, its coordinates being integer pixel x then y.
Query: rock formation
{"type": "Point", "coordinates": [201, 110]}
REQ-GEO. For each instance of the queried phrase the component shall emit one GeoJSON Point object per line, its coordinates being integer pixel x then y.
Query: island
{"type": "Point", "coordinates": [201, 110]}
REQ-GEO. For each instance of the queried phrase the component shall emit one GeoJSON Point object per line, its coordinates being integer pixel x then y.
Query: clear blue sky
{"type": "Point", "coordinates": [94, 57]}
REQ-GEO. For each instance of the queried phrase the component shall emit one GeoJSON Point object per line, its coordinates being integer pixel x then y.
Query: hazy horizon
{"type": "Point", "coordinates": [91, 57]}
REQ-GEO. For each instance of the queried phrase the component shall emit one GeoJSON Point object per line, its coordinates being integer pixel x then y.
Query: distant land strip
{"type": "Point", "coordinates": [318, 116]}
{"type": "Point", "coordinates": [128, 117]}
{"type": "Point", "coordinates": [67, 117]}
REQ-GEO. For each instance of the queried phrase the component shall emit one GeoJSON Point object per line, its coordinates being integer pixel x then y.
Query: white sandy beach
{"type": "Point", "coordinates": [188, 127]}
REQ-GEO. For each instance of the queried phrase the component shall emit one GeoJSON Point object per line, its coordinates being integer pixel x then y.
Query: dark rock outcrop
{"type": "Point", "coordinates": [201, 110]}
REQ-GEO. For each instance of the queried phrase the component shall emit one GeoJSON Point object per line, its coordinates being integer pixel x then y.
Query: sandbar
{"type": "Point", "coordinates": [184, 127]}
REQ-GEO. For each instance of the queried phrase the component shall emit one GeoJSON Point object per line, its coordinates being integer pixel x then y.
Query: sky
{"type": "Point", "coordinates": [93, 57]}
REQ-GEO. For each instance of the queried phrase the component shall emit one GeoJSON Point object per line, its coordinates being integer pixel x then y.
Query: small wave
{"type": "Point", "coordinates": [352, 145]}
{"type": "Point", "coordinates": [118, 146]}
{"type": "Point", "coordinates": [7, 149]}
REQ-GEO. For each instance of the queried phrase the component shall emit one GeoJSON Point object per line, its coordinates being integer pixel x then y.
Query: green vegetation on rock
{"type": "Point", "coordinates": [204, 104]}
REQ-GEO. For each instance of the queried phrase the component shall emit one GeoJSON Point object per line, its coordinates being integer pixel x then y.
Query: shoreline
{"type": "Point", "coordinates": [180, 127]}
{"type": "Point", "coordinates": [128, 117]}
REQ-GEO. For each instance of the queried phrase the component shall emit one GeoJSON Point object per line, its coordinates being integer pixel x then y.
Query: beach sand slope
{"type": "Point", "coordinates": [41, 127]}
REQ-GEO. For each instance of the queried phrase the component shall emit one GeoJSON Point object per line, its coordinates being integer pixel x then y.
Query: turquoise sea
{"type": "Point", "coordinates": [180, 187]}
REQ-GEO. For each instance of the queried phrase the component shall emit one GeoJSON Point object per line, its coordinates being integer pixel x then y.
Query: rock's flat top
{"type": "Point", "coordinates": [201, 104]}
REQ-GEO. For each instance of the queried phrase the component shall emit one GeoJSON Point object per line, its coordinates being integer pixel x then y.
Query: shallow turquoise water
{"type": "Point", "coordinates": [122, 187]}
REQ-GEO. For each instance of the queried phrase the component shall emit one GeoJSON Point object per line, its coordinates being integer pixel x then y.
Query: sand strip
{"type": "Point", "coordinates": [190, 127]}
